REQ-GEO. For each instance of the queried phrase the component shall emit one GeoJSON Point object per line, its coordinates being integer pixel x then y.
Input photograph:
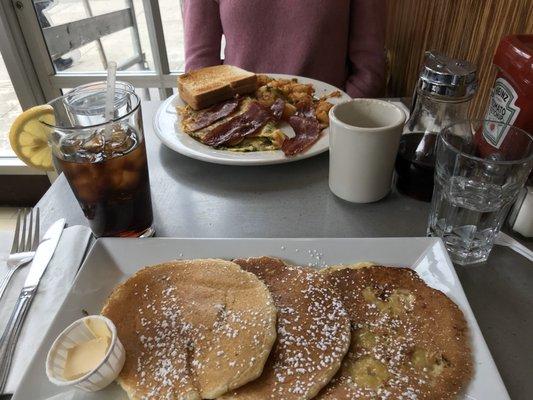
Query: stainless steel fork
{"type": "Point", "coordinates": [24, 245]}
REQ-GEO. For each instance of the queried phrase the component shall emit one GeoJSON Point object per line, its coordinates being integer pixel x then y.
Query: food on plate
{"type": "Point", "coordinates": [85, 356]}
{"type": "Point", "coordinates": [191, 329]}
{"type": "Point", "coordinates": [237, 129]}
{"type": "Point", "coordinates": [205, 329]}
{"type": "Point", "coordinates": [308, 130]}
{"type": "Point", "coordinates": [257, 121]}
{"type": "Point", "coordinates": [204, 87]}
{"type": "Point", "coordinates": [313, 333]}
{"type": "Point", "coordinates": [408, 340]}
{"type": "Point", "coordinates": [207, 117]}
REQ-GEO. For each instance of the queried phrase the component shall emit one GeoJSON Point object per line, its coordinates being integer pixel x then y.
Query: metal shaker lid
{"type": "Point", "coordinates": [447, 77]}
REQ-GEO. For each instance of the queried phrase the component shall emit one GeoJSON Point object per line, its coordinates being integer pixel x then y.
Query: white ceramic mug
{"type": "Point", "coordinates": [363, 142]}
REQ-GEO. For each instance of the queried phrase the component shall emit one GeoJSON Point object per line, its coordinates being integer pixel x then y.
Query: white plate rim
{"type": "Point", "coordinates": [187, 146]}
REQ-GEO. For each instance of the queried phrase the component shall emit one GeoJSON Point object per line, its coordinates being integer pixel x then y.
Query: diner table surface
{"type": "Point", "coordinates": [195, 199]}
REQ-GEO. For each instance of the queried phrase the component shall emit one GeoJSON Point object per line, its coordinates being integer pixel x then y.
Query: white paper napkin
{"type": "Point", "coordinates": [53, 288]}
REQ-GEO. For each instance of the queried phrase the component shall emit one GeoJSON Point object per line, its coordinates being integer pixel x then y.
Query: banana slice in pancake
{"type": "Point", "coordinates": [361, 264]}
{"type": "Point", "coordinates": [409, 341]}
{"type": "Point", "coordinates": [192, 329]}
{"type": "Point", "coordinates": [313, 333]}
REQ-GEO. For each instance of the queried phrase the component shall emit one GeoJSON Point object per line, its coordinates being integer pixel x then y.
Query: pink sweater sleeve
{"type": "Point", "coordinates": [366, 51]}
{"type": "Point", "coordinates": [203, 33]}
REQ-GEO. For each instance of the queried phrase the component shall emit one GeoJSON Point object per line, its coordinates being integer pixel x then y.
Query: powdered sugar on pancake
{"type": "Point", "coordinates": [409, 341]}
{"type": "Point", "coordinates": [192, 329]}
{"type": "Point", "coordinates": [313, 333]}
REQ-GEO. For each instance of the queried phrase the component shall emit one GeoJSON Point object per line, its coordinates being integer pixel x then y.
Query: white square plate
{"type": "Point", "coordinates": [110, 261]}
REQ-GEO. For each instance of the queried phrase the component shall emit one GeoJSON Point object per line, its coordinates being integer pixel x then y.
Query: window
{"type": "Point", "coordinates": [52, 45]}
{"type": "Point", "coordinates": [174, 37]}
{"type": "Point", "coordinates": [9, 109]}
{"type": "Point", "coordinates": [72, 41]}
{"type": "Point", "coordinates": [83, 35]}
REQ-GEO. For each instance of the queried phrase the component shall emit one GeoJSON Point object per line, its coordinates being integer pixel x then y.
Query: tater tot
{"type": "Point", "coordinates": [322, 110]}
{"type": "Point", "coordinates": [300, 97]}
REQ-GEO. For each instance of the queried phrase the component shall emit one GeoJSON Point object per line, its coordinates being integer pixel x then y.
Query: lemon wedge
{"type": "Point", "coordinates": [29, 137]}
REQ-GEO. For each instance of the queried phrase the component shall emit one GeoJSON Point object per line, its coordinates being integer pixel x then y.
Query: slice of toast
{"type": "Point", "coordinates": [204, 87]}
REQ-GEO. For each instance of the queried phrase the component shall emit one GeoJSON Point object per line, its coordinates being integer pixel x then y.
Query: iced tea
{"type": "Point", "coordinates": [109, 177]}
{"type": "Point", "coordinates": [104, 160]}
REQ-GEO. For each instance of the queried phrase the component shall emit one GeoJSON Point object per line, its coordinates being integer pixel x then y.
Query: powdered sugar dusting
{"type": "Point", "coordinates": [192, 339]}
{"type": "Point", "coordinates": [389, 327]}
{"type": "Point", "coordinates": [313, 332]}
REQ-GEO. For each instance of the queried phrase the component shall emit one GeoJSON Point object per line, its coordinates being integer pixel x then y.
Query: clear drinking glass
{"type": "Point", "coordinates": [475, 185]}
{"type": "Point", "coordinates": [102, 86]}
{"type": "Point", "coordinates": [104, 161]}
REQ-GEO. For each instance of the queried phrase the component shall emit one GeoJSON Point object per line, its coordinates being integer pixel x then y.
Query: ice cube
{"type": "Point", "coordinates": [70, 145]}
{"type": "Point", "coordinates": [86, 189]}
{"type": "Point", "coordinates": [136, 160]}
{"type": "Point", "coordinates": [130, 180]}
{"type": "Point", "coordinates": [114, 179]}
{"type": "Point", "coordinates": [94, 143]}
{"type": "Point", "coordinates": [120, 141]}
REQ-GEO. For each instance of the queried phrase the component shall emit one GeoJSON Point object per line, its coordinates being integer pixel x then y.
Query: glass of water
{"type": "Point", "coordinates": [477, 179]}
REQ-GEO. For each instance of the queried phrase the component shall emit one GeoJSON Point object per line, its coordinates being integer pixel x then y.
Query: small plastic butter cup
{"type": "Point", "coordinates": [100, 376]}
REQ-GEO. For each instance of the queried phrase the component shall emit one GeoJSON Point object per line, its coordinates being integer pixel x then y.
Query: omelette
{"type": "Point", "coordinates": [271, 135]}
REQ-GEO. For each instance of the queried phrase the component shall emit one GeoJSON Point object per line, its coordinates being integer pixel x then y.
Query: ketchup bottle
{"type": "Point", "coordinates": [511, 102]}
{"type": "Point", "coordinates": [511, 99]}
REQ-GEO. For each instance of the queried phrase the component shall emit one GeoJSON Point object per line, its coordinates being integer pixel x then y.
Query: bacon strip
{"type": "Point", "coordinates": [239, 127]}
{"type": "Point", "coordinates": [306, 128]}
{"type": "Point", "coordinates": [213, 114]}
{"type": "Point", "coordinates": [307, 132]}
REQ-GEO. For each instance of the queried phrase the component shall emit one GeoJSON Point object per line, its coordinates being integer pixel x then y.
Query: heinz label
{"type": "Point", "coordinates": [502, 108]}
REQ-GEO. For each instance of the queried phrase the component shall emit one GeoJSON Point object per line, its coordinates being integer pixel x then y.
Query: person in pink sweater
{"type": "Point", "coordinates": [336, 41]}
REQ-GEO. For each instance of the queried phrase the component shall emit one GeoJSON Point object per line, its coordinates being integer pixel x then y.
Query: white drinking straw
{"type": "Point", "coordinates": [110, 96]}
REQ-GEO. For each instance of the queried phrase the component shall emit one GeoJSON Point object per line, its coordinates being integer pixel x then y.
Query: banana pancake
{"type": "Point", "coordinates": [191, 329]}
{"type": "Point", "coordinates": [409, 341]}
{"type": "Point", "coordinates": [313, 333]}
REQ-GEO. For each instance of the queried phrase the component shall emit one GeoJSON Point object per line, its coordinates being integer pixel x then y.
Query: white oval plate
{"type": "Point", "coordinates": [168, 129]}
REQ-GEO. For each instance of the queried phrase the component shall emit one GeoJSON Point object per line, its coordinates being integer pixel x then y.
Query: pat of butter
{"type": "Point", "coordinates": [98, 328]}
{"type": "Point", "coordinates": [87, 355]}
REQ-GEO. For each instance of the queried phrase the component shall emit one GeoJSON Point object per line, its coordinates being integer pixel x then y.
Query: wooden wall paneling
{"type": "Point", "coordinates": [468, 29]}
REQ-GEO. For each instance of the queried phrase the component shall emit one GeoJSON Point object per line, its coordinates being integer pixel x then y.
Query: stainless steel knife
{"type": "Point", "coordinates": [42, 258]}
